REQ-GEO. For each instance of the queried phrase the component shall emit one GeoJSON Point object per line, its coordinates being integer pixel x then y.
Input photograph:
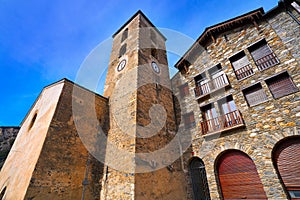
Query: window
{"type": "Point", "coordinates": [122, 50]}
{"type": "Point", "coordinates": [218, 77]}
{"type": "Point", "coordinates": [241, 65]}
{"type": "Point", "coordinates": [199, 180]}
{"type": "Point", "coordinates": [227, 105]}
{"type": "Point", "coordinates": [202, 86]}
{"type": "Point", "coordinates": [189, 120]}
{"type": "Point", "coordinates": [231, 116]}
{"type": "Point", "coordinates": [296, 6]}
{"type": "Point", "coordinates": [210, 119]}
{"type": "Point", "coordinates": [2, 193]}
{"type": "Point", "coordinates": [263, 55]}
{"type": "Point", "coordinates": [154, 52]}
{"type": "Point", "coordinates": [124, 35]}
{"type": "Point", "coordinates": [281, 85]}
{"type": "Point", "coordinates": [153, 36]}
{"type": "Point", "coordinates": [32, 121]}
{"type": "Point", "coordinates": [255, 94]}
{"type": "Point", "coordinates": [184, 90]}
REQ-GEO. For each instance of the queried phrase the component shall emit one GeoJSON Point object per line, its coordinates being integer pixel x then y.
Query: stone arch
{"type": "Point", "coordinates": [199, 179]}
{"type": "Point", "coordinates": [285, 157]}
{"type": "Point", "coordinates": [237, 176]}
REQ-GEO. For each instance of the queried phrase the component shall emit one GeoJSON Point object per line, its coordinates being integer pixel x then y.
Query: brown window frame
{"type": "Point", "coordinates": [184, 90]}
{"type": "Point", "coordinates": [263, 55]}
{"type": "Point", "coordinates": [271, 81]}
{"type": "Point", "coordinates": [245, 70]}
{"type": "Point", "coordinates": [255, 94]}
{"type": "Point", "coordinates": [189, 120]}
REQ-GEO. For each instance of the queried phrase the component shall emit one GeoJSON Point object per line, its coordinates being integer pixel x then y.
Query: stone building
{"type": "Point", "coordinates": [240, 80]}
{"type": "Point", "coordinates": [231, 114]}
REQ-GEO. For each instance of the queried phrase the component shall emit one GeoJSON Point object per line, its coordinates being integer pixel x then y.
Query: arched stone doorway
{"type": "Point", "coordinates": [237, 176]}
{"type": "Point", "coordinates": [199, 179]}
{"type": "Point", "coordinates": [285, 156]}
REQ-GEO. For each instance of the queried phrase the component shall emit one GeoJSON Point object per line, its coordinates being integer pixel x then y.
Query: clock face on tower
{"type": "Point", "coordinates": [155, 67]}
{"type": "Point", "coordinates": [121, 65]}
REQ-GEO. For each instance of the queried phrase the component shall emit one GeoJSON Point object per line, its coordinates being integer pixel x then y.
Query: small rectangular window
{"type": "Point", "coordinates": [294, 193]}
{"type": "Point", "coordinates": [263, 55]}
{"type": "Point", "coordinates": [189, 120]}
{"type": "Point", "coordinates": [281, 85]}
{"type": "Point", "coordinates": [153, 36]}
{"type": "Point", "coordinates": [241, 65]}
{"type": "Point", "coordinates": [122, 50]}
{"type": "Point", "coordinates": [124, 34]}
{"type": "Point", "coordinates": [296, 6]}
{"type": "Point", "coordinates": [184, 90]}
{"type": "Point", "coordinates": [255, 94]}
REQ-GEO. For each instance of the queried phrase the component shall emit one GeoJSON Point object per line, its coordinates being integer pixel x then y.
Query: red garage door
{"type": "Point", "coordinates": [238, 177]}
{"type": "Point", "coordinates": [286, 159]}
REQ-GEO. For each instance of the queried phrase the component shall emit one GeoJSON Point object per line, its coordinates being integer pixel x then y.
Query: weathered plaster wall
{"type": "Point", "coordinates": [20, 163]}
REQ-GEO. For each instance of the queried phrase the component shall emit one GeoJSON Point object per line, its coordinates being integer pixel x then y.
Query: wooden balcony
{"type": "Point", "coordinates": [211, 86]}
{"type": "Point", "coordinates": [244, 72]}
{"type": "Point", "coordinates": [267, 61]}
{"type": "Point", "coordinates": [222, 123]}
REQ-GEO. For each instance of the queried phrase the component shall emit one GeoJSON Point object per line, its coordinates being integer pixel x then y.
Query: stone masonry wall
{"type": "Point", "coordinates": [64, 163]}
{"type": "Point", "coordinates": [266, 123]}
{"type": "Point", "coordinates": [7, 138]}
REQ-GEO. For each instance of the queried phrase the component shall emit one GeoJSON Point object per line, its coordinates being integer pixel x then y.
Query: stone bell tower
{"type": "Point", "coordinates": [142, 118]}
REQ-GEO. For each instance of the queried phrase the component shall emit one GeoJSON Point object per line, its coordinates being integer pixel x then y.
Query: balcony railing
{"type": "Point", "coordinates": [222, 123]}
{"type": "Point", "coordinates": [211, 85]}
{"type": "Point", "coordinates": [267, 61]}
{"type": "Point", "coordinates": [244, 72]}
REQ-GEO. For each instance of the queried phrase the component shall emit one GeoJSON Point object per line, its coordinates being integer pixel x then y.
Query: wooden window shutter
{"type": "Point", "coordinates": [263, 55]}
{"type": "Point", "coordinates": [241, 65]}
{"type": "Point", "coordinates": [281, 85]}
{"type": "Point", "coordinates": [261, 51]}
{"type": "Point", "coordinates": [255, 94]}
{"type": "Point", "coordinates": [189, 120]}
{"type": "Point", "coordinates": [184, 90]}
{"type": "Point", "coordinates": [238, 177]}
{"type": "Point", "coordinates": [241, 62]}
{"type": "Point", "coordinates": [287, 163]}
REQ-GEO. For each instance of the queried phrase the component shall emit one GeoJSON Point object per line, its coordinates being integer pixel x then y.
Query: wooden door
{"type": "Point", "coordinates": [286, 160]}
{"type": "Point", "coordinates": [238, 177]}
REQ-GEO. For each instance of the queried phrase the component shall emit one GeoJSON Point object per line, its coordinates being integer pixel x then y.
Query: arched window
{"type": "Point", "coordinates": [238, 177]}
{"type": "Point", "coordinates": [285, 156]}
{"type": "Point", "coordinates": [124, 34]}
{"type": "Point", "coordinates": [2, 193]}
{"type": "Point", "coordinates": [199, 180]}
{"type": "Point", "coordinates": [122, 50]}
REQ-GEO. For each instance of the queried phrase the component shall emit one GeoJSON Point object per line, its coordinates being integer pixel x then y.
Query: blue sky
{"type": "Point", "coordinates": [43, 41]}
